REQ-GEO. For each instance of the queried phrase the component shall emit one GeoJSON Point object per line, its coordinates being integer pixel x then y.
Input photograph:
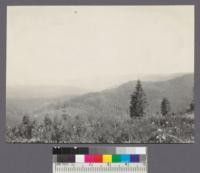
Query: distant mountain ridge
{"type": "Point", "coordinates": [28, 92]}
{"type": "Point", "coordinates": [116, 101]}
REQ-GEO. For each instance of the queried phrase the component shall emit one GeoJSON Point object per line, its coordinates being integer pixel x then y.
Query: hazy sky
{"type": "Point", "coordinates": [66, 45]}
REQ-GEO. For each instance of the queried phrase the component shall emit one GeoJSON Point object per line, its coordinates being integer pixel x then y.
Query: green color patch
{"type": "Point", "coordinates": [116, 158]}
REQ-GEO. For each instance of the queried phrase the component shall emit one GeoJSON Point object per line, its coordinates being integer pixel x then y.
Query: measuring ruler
{"type": "Point", "coordinates": [101, 160]}
{"type": "Point", "coordinates": [99, 167]}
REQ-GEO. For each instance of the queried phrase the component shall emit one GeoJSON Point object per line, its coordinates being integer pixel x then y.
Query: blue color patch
{"type": "Point", "coordinates": [135, 158]}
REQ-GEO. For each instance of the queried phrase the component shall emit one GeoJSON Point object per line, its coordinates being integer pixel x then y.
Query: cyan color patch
{"type": "Point", "coordinates": [125, 158]}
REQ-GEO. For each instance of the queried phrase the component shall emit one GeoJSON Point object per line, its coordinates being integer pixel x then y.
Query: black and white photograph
{"type": "Point", "coordinates": [100, 74]}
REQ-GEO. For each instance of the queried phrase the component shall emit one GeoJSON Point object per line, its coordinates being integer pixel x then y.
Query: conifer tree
{"type": "Point", "coordinates": [138, 101]}
{"type": "Point", "coordinates": [165, 106]}
{"type": "Point", "coordinates": [192, 103]}
{"type": "Point", "coordinates": [26, 126]}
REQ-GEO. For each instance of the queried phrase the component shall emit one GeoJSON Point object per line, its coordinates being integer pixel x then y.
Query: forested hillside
{"type": "Point", "coordinates": [104, 117]}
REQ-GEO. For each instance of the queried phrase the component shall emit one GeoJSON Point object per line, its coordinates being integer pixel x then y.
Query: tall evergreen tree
{"type": "Point", "coordinates": [58, 130]}
{"type": "Point", "coordinates": [138, 101]}
{"type": "Point", "coordinates": [165, 106]}
{"type": "Point", "coordinates": [192, 106]}
{"type": "Point", "coordinates": [192, 103]}
{"type": "Point", "coordinates": [47, 129]}
{"type": "Point", "coordinates": [26, 119]}
{"type": "Point", "coordinates": [26, 127]}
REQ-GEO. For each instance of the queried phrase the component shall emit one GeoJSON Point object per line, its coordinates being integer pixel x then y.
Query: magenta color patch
{"type": "Point", "coordinates": [88, 158]}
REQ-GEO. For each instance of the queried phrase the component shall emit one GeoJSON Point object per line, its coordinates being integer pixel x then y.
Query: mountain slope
{"type": "Point", "coordinates": [115, 102]}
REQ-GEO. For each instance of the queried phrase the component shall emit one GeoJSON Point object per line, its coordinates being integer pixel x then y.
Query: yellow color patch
{"type": "Point", "coordinates": [107, 158]}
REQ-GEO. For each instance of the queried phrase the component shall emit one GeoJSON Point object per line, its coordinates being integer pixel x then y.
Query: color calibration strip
{"type": "Point", "coordinates": [100, 159]}
{"type": "Point", "coordinates": [99, 150]}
